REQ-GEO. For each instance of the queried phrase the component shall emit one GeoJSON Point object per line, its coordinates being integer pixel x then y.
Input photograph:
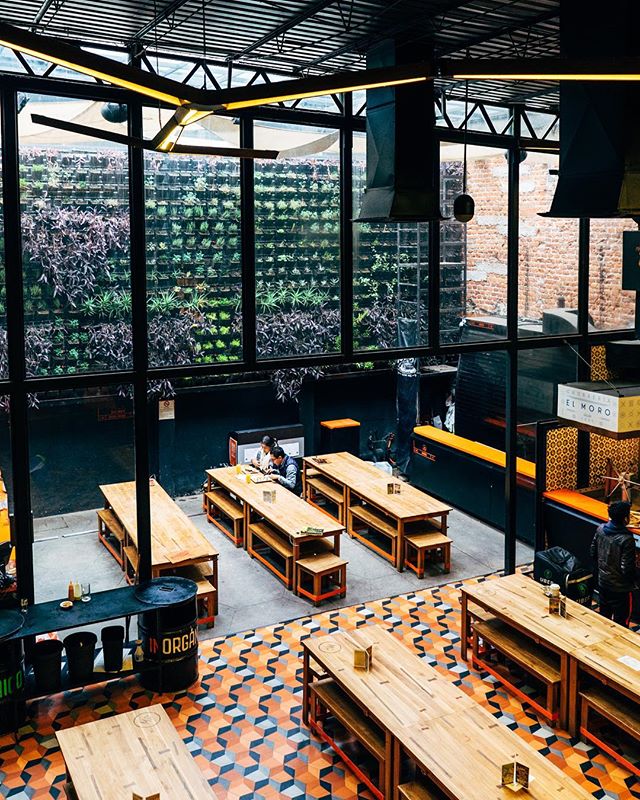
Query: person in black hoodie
{"type": "Point", "coordinates": [614, 556]}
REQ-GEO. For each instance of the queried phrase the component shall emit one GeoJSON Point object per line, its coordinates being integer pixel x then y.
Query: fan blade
{"type": "Point", "coordinates": [95, 133]}
{"type": "Point", "coordinates": [57, 51]}
{"type": "Point", "coordinates": [316, 146]}
{"type": "Point", "coordinates": [147, 144]}
{"type": "Point", "coordinates": [231, 152]}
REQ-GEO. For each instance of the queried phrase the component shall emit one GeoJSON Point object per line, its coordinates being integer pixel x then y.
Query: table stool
{"type": "Point", "coordinates": [319, 567]}
{"type": "Point", "coordinates": [423, 543]}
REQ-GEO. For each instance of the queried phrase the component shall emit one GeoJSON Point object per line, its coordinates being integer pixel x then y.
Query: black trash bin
{"type": "Point", "coordinates": [112, 641]}
{"type": "Point", "coordinates": [12, 702]}
{"type": "Point", "coordinates": [46, 657]}
{"type": "Point", "coordinates": [557, 565]}
{"type": "Point", "coordinates": [81, 650]}
{"type": "Point", "coordinates": [169, 634]}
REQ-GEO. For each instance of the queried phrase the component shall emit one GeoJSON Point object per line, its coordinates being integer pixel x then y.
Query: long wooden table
{"type": "Point", "coordinates": [139, 751]}
{"type": "Point", "coordinates": [289, 514]}
{"type": "Point", "coordinates": [361, 482]}
{"type": "Point", "coordinates": [420, 711]}
{"type": "Point", "coordinates": [522, 604]}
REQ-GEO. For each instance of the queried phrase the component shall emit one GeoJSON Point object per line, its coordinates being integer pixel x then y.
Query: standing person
{"type": "Point", "coordinates": [263, 462]}
{"type": "Point", "coordinates": [614, 554]}
{"type": "Point", "coordinates": [285, 470]}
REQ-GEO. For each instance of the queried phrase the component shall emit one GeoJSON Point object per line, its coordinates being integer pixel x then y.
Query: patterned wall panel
{"type": "Point", "coordinates": [562, 459]}
{"type": "Point", "coordinates": [623, 454]}
{"type": "Point", "coordinates": [599, 370]}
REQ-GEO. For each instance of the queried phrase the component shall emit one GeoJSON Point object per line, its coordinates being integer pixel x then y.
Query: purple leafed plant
{"type": "Point", "coordinates": [72, 247]}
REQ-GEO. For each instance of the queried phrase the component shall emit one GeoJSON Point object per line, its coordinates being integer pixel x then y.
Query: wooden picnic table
{"type": "Point", "coordinates": [289, 514]}
{"type": "Point", "coordinates": [425, 717]}
{"type": "Point", "coordinates": [175, 540]}
{"type": "Point", "coordinates": [522, 604]}
{"type": "Point", "coordinates": [139, 751]}
{"type": "Point", "coordinates": [365, 497]}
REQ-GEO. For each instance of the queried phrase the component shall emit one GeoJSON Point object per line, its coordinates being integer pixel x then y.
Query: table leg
{"type": "Point", "coordinates": [294, 570]}
{"type": "Point", "coordinates": [247, 523]}
{"type": "Point", "coordinates": [305, 686]}
{"type": "Point", "coordinates": [348, 520]}
{"type": "Point", "coordinates": [464, 625]}
{"type": "Point", "coordinates": [214, 565]}
{"type": "Point", "coordinates": [444, 523]}
{"type": "Point", "coordinates": [396, 763]}
{"type": "Point", "coordinates": [564, 690]}
{"type": "Point", "coordinates": [400, 547]}
{"type": "Point", "coordinates": [336, 544]}
{"type": "Point", "coordinates": [387, 789]}
{"type": "Point", "coordinates": [572, 696]}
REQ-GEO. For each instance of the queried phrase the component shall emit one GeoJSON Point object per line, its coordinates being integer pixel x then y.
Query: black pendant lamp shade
{"type": "Point", "coordinates": [464, 207]}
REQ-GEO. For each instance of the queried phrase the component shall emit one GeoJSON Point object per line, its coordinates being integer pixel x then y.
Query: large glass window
{"type": "Point", "coordinates": [297, 215]}
{"type": "Point", "coordinates": [78, 442]}
{"type": "Point", "coordinates": [193, 248]}
{"type": "Point", "coordinates": [610, 307]}
{"type": "Point", "coordinates": [390, 274]}
{"type": "Point", "coordinates": [75, 236]}
{"type": "Point", "coordinates": [473, 266]}
{"type": "Point", "coordinates": [548, 250]}
{"type": "Point", "coordinates": [4, 362]}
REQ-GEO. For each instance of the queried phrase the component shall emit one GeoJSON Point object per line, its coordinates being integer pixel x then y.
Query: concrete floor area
{"type": "Point", "coordinates": [67, 547]}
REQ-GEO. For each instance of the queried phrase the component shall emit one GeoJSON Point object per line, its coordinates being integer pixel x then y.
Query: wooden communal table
{"type": "Point", "coordinates": [175, 540]}
{"type": "Point", "coordinates": [289, 515]}
{"type": "Point", "coordinates": [463, 752]}
{"type": "Point", "coordinates": [459, 746]}
{"type": "Point", "coordinates": [139, 751]}
{"type": "Point", "coordinates": [604, 661]}
{"type": "Point", "coordinates": [522, 604]}
{"type": "Point", "coordinates": [365, 497]}
{"type": "Point", "coordinates": [398, 691]}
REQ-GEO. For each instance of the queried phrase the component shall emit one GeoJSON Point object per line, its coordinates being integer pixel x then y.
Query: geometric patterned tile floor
{"type": "Point", "coordinates": [241, 720]}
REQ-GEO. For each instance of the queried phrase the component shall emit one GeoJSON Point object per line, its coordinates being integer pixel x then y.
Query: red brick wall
{"type": "Point", "coordinates": [548, 270]}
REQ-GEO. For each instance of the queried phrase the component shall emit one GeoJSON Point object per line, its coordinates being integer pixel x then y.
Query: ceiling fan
{"type": "Point", "coordinates": [193, 104]}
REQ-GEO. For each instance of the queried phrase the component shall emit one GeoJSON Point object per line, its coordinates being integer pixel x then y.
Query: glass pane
{"type": "Point", "coordinates": [390, 274]}
{"type": "Point", "coordinates": [548, 266]}
{"type": "Point", "coordinates": [193, 249]}
{"type": "Point", "coordinates": [610, 308]}
{"type": "Point", "coordinates": [473, 256]}
{"type": "Point", "coordinates": [4, 355]}
{"type": "Point", "coordinates": [74, 193]}
{"type": "Point", "coordinates": [77, 442]}
{"type": "Point", "coordinates": [8, 585]}
{"type": "Point", "coordinates": [297, 210]}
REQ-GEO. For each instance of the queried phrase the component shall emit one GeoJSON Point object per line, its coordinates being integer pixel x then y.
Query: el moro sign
{"type": "Point", "coordinates": [613, 410]}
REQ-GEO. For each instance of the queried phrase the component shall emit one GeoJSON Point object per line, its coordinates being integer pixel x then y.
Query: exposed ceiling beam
{"type": "Point", "coordinates": [166, 12]}
{"type": "Point", "coordinates": [370, 39]}
{"type": "Point", "coordinates": [488, 36]}
{"type": "Point", "coordinates": [44, 7]}
{"type": "Point", "coordinates": [280, 30]}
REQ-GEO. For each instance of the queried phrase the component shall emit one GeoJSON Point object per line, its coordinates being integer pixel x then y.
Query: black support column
{"type": "Point", "coordinates": [18, 419]}
{"type": "Point", "coordinates": [346, 230]}
{"type": "Point", "coordinates": [248, 244]}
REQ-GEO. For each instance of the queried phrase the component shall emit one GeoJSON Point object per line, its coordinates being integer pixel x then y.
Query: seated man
{"type": "Point", "coordinates": [285, 470]}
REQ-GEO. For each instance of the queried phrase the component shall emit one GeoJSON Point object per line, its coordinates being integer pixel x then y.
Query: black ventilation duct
{"type": "Point", "coordinates": [402, 152]}
{"type": "Point", "coordinates": [599, 121]}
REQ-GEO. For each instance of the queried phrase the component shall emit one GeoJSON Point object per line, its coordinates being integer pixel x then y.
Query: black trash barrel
{"type": "Point", "coordinates": [12, 702]}
{"type": "Point", "coordinates": [169, 634]}
{"type": "Point", "coordinates": [81, 651]}
{"type": "Point", "coordinates": [112, 641]}
{"type": "Point", "coordinates": [46, 658]}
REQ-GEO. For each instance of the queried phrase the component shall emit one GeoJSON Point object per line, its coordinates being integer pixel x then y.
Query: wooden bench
{"type": "Point", "coordinates": [417, 791]}
{"type": "Point", "coordinates": [326, 696]}
{"type": "Point", "coordinates": [422, 543]}
{"type": "Point", "coordinates": [328, 490]}
{"type": "Point", "coordinates": [207, 593]}
{"type": "Point", "coordinates": [374, 520]}
{"type": "Point", "coordinates": [524, 652]}
{"type": "Point", "coordinates": [323, 566]}
{"type": "Point", "coordinates": [109, 527]}
{"type": "Point", "coordinates": [131, 561]}
{"type": "Point", "coordinates": [224, 505]}
{"type": "Point", "coordinates": [617, 710]}
{"type": "Point", "coordinates": [276, 542]}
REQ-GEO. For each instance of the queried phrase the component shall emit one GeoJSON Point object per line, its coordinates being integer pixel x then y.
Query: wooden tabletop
{"type": "Point", "coordinates": [615, 660]}
{"type": "Point", "coordinates": [138, 751]}
{"type": "Point", "coordinates": [400, 689]}
{"type": "Point", "coordinates": [370, 483]}
{"type": "Point", "coordinates": [174, 537]}
{"type": "Point", "coordinates": [522, 603]}
{"type": "Point", "coordinates": [464, 752]}
{"type": "Point", "coordinates": [289, 513]}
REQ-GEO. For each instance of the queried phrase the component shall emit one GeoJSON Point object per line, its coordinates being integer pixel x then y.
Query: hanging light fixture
{"type": "Point", "coordinates": [464, 205]}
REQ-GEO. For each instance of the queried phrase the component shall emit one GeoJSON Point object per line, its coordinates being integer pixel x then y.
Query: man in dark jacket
{"type": "Point", "coordinates": [285, 470]}
{"type": "Point", "coordinates": [614, 556]}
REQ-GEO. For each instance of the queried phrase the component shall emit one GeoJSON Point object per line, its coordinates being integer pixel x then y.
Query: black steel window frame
{"type": "Point", "coordinates": [18, 385]}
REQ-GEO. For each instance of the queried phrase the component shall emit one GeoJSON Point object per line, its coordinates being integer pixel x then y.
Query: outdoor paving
{"type": "Point", "coordinates": [67, 547]}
